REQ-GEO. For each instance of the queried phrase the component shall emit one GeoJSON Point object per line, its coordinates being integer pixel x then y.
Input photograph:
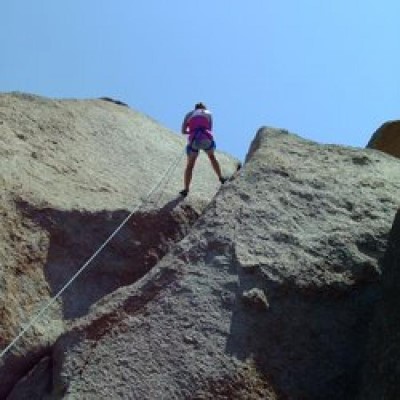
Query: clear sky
{"type": "Point", "coordinates": [328, 70]}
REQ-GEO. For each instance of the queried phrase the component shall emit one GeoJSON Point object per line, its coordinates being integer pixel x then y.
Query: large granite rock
{"type": "Point", "coordinates": [387, 138]}
{"type": "Point", "coordinates": [70, 172]}
{"type": "Point", "coordinates": [270, 294]}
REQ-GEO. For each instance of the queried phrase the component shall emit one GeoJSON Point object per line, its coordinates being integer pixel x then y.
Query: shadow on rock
{"type": "Point", "coordinates": [76, 235]}
{"type": "Point", "coordinates": [309, 343]}
{"type": "Point", "coordinates": [382, 367]}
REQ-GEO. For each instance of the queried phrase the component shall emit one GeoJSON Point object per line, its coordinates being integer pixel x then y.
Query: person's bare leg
{"type": "Point", "coordinates": [214, 163]}
{"type": "Point", "coordinates": [191, 160]}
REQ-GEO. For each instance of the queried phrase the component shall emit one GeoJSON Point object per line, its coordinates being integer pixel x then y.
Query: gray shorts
{"type": "Point", "coordinates": [196, 145]}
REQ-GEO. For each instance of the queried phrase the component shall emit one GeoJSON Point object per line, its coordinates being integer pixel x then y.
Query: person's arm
{"type": "Point", "coordinates": [210, 118]}
{"type": "Point", "coordinates": [184, 124]}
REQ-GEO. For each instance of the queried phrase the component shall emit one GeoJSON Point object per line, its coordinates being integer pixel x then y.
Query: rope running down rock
{"type": "Point", "coordinates": [168, 173]}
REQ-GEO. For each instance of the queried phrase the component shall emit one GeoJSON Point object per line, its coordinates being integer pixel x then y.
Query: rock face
{"type": "Point", "coordinates": [381, 372]}
{"type": "Point", "coordinates": [271, 290]}
{"type": "Point", "coordinates": [70, 172]}
{"type": "Point", "coordinates": [269, 295]}
{"type": "Point", "coordinates": [387, 138]}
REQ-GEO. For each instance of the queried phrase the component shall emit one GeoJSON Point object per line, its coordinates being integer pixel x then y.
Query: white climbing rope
{"type": "Point", "coordinates": [41, 312]}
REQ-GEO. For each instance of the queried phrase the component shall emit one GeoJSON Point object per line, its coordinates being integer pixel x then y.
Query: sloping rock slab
{"type": "Point", "coordinates": [70, 172]}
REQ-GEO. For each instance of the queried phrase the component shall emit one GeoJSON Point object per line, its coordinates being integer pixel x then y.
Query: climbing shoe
{"type": "Point", "coordinates": [184, 192]}
{"type": "Point", "coordinates": [223, 180]}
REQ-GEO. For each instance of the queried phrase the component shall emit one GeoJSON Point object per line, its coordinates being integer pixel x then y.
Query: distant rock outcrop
{"type": "Point", "coordinates": [70, 173]}
{"type": "Point", "coordinates": [387, 138]}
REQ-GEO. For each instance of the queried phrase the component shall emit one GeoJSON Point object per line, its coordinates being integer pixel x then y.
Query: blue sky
{"type": "Point", "coordinates": [327, 70]}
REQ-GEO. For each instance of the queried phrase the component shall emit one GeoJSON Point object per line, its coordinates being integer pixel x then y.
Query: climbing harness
{"type": "Point", "coordinates": [202, 139]}
{"type": "Point", "coordinates": [41, 312]}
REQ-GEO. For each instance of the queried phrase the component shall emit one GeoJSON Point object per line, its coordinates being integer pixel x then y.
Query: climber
{"type": "Point", "coordinates": [198, 125]}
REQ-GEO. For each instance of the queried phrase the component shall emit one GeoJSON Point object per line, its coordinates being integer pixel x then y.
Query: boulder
{"type": "Point", "coordinates": [387, 138]}
{"type": "Point", "coordinates": [270, 294]}
{"type": "Point", "coordinates": [70, 172]}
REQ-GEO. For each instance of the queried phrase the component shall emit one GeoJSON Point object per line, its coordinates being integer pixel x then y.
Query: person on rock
{"type": "Point", "coordinates": [198, 125]}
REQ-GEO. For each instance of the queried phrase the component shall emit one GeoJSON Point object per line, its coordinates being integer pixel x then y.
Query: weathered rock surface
{"type": "Point", "coordinates": [271, 294]}
{"type": "Point", "coordinates": [70, 172]}
{"type": "Point", "coordinates": [387, 138]}
{"type": "Point", "coordinates": [382, 370]}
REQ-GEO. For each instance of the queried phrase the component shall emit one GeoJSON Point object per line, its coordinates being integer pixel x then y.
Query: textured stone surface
{"type": "Point", "coordinates": [382, 369]}
{"type": "Point", "coordinates": [70, 172]}
{"type": "Point", "coordinates": [304, 228]}
{"type": "Point", "coordinates": [387, 138]}
{"type": "Point", "coordinates": [271, 293]}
